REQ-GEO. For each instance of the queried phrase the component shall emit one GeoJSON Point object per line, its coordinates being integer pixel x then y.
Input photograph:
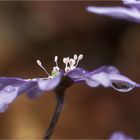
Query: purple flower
{"type": "Point", "coordinates": [130, 12]}
{"type": "Point", "coordinates": [107, 76]}
{"type": "Point", "coordinates": [120, 136]}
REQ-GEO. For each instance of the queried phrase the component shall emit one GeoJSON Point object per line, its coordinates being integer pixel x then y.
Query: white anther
{"type": "Point", "coordinates": [66, 60]}
{"type": "Point", "coordinates": [71, 62]}
{"type": "Point", "coordinates": [75, 57]}
{"type": "Point", "coordinates": [80, 57]}
{"type": "Point", "coordinates": [40, 64]}
{"type": "Point", "coordinates": [55, 58]}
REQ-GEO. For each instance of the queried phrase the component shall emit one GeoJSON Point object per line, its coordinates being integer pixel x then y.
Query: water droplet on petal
{"type": "Point", "coordinates": [9, 88]}
{"type": "Point", "coordinates": [84, 71]}
{"type": "Point", "coordinates": [122, 86]}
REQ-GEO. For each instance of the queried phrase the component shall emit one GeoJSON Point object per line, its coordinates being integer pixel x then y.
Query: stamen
{"type": "Point", "coordinates": [71, 62]}
{"type": "Point", "coordinates": [66, 61]}
{"type": "Point", "coordinates": [80, 57]}
{"type": "Point", "coordinates": [40, 64]}
{"type": "Point", "coordinates": [75, 57]}
{"type": "Point", "coordinates": [56, 68]}
{"type": "Point", "coordinates": [67, 69]}
{"type": "Point", "coordinates": [56, 60]}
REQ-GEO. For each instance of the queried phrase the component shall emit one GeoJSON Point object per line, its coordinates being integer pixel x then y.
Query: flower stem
{"type": "Point", "coordinates": [59, 92]}
{"type": "Point", "coordinates": [57, 112]}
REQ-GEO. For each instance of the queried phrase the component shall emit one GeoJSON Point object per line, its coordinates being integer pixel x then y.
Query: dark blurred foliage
{"type": "Point", "coordinates": [41, 30]}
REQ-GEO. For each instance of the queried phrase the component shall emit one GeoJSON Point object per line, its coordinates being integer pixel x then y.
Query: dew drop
{"type": "Point", "coordinates": [84, 71]}
{"type": "Point", "coordinates": [122, 86]}
{"type": "Point", "coordinates": [9, 88]}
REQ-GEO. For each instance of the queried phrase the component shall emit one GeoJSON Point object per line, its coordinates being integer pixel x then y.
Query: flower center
{"type": "Point", "coordinates": [70, 64]}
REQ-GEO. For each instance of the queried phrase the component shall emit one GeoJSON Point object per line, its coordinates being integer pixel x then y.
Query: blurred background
{"type": "Point", "coordinates": [41, 30]}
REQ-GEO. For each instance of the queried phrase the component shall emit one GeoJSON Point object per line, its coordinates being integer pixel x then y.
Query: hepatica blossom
{"type": "Point", "coordinates": [106, 76]}
{"type": "Point", "coordinates": [120, 136]}
{"type": "Point", "coordinates": [131, 10]}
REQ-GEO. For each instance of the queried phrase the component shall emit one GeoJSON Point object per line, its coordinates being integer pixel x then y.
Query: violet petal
{"type": "Point", "coordinates": [106, 69]}
{"type": "Point", "coordinates": [78, 74]}
{"type": "Point", "coordinates": [92, 83]}
{"type": "Point", "coordinates": [130, 13]}
{"type": "Point", "coordinates": [102, 78]}
{"type": "Point", "coordinates": [49, 84]}
{"type": "Point", "coordinates": [132, 3]}
{"type": "Point", "coordinates": [7, 95]}
{"type": "Point", "coordinates": [110, 77]}
{"type": "Point", "coordinates": [34, 92]}
{"type": "Point", "coordinates": [10, 88]}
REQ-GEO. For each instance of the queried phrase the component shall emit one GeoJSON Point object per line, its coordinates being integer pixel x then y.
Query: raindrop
{"type": "Point", "coordinates": [122, 86]}
{"type": "Point", "coordinates": [9, 88]}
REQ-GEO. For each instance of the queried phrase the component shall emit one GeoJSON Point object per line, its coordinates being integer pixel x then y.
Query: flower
{"type": "Point", "coordinates": [107, 76]}
{"type": "Point", "coordinates": [131, 12]}
{"type": "Point", "coordinates": [120, 136]}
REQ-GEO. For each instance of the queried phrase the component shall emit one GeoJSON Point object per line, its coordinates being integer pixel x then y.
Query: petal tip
{"type": "Point", "coordinates": [92, 9]}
